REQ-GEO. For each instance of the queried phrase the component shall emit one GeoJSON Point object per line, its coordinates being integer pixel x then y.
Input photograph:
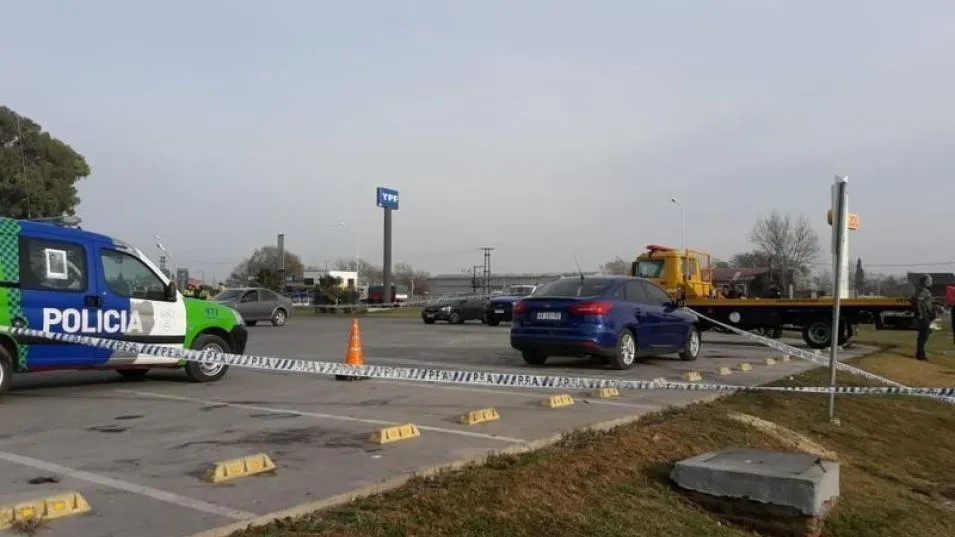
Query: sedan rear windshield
{"type": "Point", "coordinates": [573, 287]}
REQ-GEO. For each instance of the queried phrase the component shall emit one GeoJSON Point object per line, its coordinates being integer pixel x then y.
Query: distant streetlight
{"type": "Point", "coordinates": [682, 238]}
{"type": "Point", "coordinates": [357, 262]}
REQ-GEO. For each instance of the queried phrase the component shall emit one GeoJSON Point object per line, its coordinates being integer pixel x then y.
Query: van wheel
{"type": "Point", "coordinates": [200, 372]}
{"type": "Point", "coordinates": [456, 318]}
{"type": "Point", "coordinates": [6, 369]}
{"type": "Point", "coordinates": [626, 354]}
{"type": "Point", "coordinates": [493, 321]}
{"type": "Point", "coordinates": [133, 374]}
{"type": "Point", "coordinates": [279, 317]}
{"type": "Point", "coordinates": [691, 347]}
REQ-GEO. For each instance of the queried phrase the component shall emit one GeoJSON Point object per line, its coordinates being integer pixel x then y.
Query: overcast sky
{"type": "Point", "coordinates": [545, 129]}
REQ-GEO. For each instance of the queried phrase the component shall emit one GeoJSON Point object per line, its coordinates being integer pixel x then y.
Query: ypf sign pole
{"type": "Point", "coordinates": [387, 199]}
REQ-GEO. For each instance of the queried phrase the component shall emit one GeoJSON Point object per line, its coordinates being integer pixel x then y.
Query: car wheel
{"type": "Point", "coordinates": [691, 348]}
{"type": "Point", "coordinates": [251, 323]}
{"type": "Point", "coordinates": [493, 321]}
{"type": "Point", "coordinates": [201, 372]}
{"type": "Point", "coordinates": [456, 318]}
{"type": "Point", "coordinates": [133, 374]}
{"type": "Point", "coordinates": [428, 321]}
{"type": "Point", "coordinates": [626, 354]}
{"type": "Point", "coordinates": [279, 317]}
{"type": "Point", "coordinates": [534, 358]}
{"type": "Point", "coordinates": [6, 369]}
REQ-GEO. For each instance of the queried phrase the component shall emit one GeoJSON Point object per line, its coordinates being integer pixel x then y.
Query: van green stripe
{"type": "Point", "coordinates": [10, 302]}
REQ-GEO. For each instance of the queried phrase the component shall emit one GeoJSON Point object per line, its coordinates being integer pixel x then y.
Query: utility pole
{"type": "Point", "coordinates": [487, 268]}
{"type": "Point", "coordinates": [281, 263]}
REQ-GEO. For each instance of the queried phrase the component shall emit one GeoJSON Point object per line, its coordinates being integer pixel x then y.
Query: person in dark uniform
{"type": "Point", "coordinates": [924, 311]}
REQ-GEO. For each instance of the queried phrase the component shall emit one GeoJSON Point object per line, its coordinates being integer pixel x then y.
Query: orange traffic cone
{"type": "Point", "coordinates": [354, 355]}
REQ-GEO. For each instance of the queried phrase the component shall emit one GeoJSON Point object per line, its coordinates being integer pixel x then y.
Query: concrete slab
{"type": "Point", "coordinates": [800, 481]}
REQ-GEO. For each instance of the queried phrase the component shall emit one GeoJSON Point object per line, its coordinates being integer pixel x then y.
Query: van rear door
{"type": "Point", "coordinates": [56, 295]}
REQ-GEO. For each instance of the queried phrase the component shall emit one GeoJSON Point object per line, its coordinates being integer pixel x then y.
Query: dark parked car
{"type": "Point", "coordinates": [499, 309]}
{"type": "Point", "coordinates": [257, 304]}
{"type": "Point", "coordinates": [617, 318]}
{"type": "Point", "coordinates": [454, 309]}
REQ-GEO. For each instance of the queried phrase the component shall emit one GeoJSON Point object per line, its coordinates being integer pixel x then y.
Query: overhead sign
{"type": "Point", "coordinates": [387, 198]}
{"type": "Point", "coordinates": [852, 220]}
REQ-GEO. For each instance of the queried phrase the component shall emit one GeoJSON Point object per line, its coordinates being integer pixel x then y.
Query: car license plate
{"type": "Point", "coordinates": [498, 311]}
{"type": "Point", "coordinates": [429, 315]}
{"type": "Point", "coordinates": [548, 315]}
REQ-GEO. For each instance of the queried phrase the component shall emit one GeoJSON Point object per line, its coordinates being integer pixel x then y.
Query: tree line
{"type": "Point", "coordinates": [262, 268]}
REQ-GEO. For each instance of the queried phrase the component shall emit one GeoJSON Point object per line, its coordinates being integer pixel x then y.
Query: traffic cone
{"type": "Point", "coordinates": [354, 355]}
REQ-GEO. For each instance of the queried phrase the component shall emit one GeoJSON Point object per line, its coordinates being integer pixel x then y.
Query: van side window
{"type": "Point", "coordinates": [52, 265]}
{"type": "Point", "coordinates": [129, 277]}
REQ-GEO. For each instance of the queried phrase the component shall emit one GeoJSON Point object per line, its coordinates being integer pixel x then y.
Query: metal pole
{"type": "Point", "coordinates": [682, 238]}
{"type": "Point", "coordinates": [386, 266]}
{"type": "Point", "coordinates": [839, 229]}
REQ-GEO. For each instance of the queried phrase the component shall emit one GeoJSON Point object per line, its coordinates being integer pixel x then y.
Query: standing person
{"type": "Point", "coordinates": [924, 314]}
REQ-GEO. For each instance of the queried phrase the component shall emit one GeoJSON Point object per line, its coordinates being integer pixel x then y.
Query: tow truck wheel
{"type": "Point", "coordinates": [818, 333]}
{"type": "Point", "coordinates": [200, 372]}
{"type": "Point", "coordinates": [6, 369]}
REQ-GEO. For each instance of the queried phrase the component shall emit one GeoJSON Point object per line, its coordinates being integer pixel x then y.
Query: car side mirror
{"type": "Point", "coordinates": [171, 291]}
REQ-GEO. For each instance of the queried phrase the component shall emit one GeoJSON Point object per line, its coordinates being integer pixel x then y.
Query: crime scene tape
{"type": "Point", "coordinates": [799, 353]}
{"type": "Point", "coordinates": [449, 376]}
{"type": "Point", "coordinates": [808, 356]}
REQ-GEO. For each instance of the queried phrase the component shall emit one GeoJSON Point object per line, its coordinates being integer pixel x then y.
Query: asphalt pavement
{"type": "Point", "coordinates": [136, 450]}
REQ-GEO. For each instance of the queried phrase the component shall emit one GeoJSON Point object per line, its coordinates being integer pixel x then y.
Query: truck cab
{"type": "Point", "coordinates": [60, 279]}
{"type": "Point", "coordinates": [677, 271]}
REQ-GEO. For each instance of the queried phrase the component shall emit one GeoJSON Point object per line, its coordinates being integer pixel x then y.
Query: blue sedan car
{"type": "Point", "coordinates": [618, 318]}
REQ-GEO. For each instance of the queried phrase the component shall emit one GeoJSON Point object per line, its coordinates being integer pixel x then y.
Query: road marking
{"type": "Point", "coordinates": [126, 486]}
{"type": "Point", "coordinates": [274, 410]}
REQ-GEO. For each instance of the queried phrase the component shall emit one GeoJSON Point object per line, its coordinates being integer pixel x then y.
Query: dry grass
{"type": "Point", "coordinates": [897, 457]}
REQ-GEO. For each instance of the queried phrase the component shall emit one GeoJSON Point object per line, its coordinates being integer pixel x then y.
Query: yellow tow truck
{"type": "Point", "coordinates": [688, 274]}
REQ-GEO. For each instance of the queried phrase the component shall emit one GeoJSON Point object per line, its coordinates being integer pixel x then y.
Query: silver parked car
{"type": "Point", "coordinates": [257, 304]}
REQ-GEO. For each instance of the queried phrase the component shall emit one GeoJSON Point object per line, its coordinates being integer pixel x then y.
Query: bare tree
{"type": "Point", "coordinates": [790, 244]}
{"type": "Point", "coordinates": [616, 267]}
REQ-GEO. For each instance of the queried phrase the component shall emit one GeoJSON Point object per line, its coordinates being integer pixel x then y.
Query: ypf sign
{"type": "Point", "coordinates": [387, 198]}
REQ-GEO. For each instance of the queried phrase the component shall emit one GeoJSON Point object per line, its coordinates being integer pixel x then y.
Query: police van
{"type": "Point", "coordinates": [61, 279]}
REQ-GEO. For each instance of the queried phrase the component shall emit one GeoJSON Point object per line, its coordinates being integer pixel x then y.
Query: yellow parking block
{"type": "Point", "coordinates": [725, 371]}
{"type": "Point", "coordinates": [745, 366]}
{"type": "Point", "coordinates": [230, 469]}
{"type": "Point", "coordinates": [770, 361]}
{"type": "Point", "coordinates": [394, 434]}
{"type": "Point", "coordinates": [605, 393]}
{"type": "Point", "coordinates": [558, 401]}
{"type": "Point", "coordinates": [50, 507]}
{"type": "Point", "coordinates": [480, 416]}
{"type": "Point", "coordinates": [692, 376]}
{"type": "Point", "coordinates": [785, 358]}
